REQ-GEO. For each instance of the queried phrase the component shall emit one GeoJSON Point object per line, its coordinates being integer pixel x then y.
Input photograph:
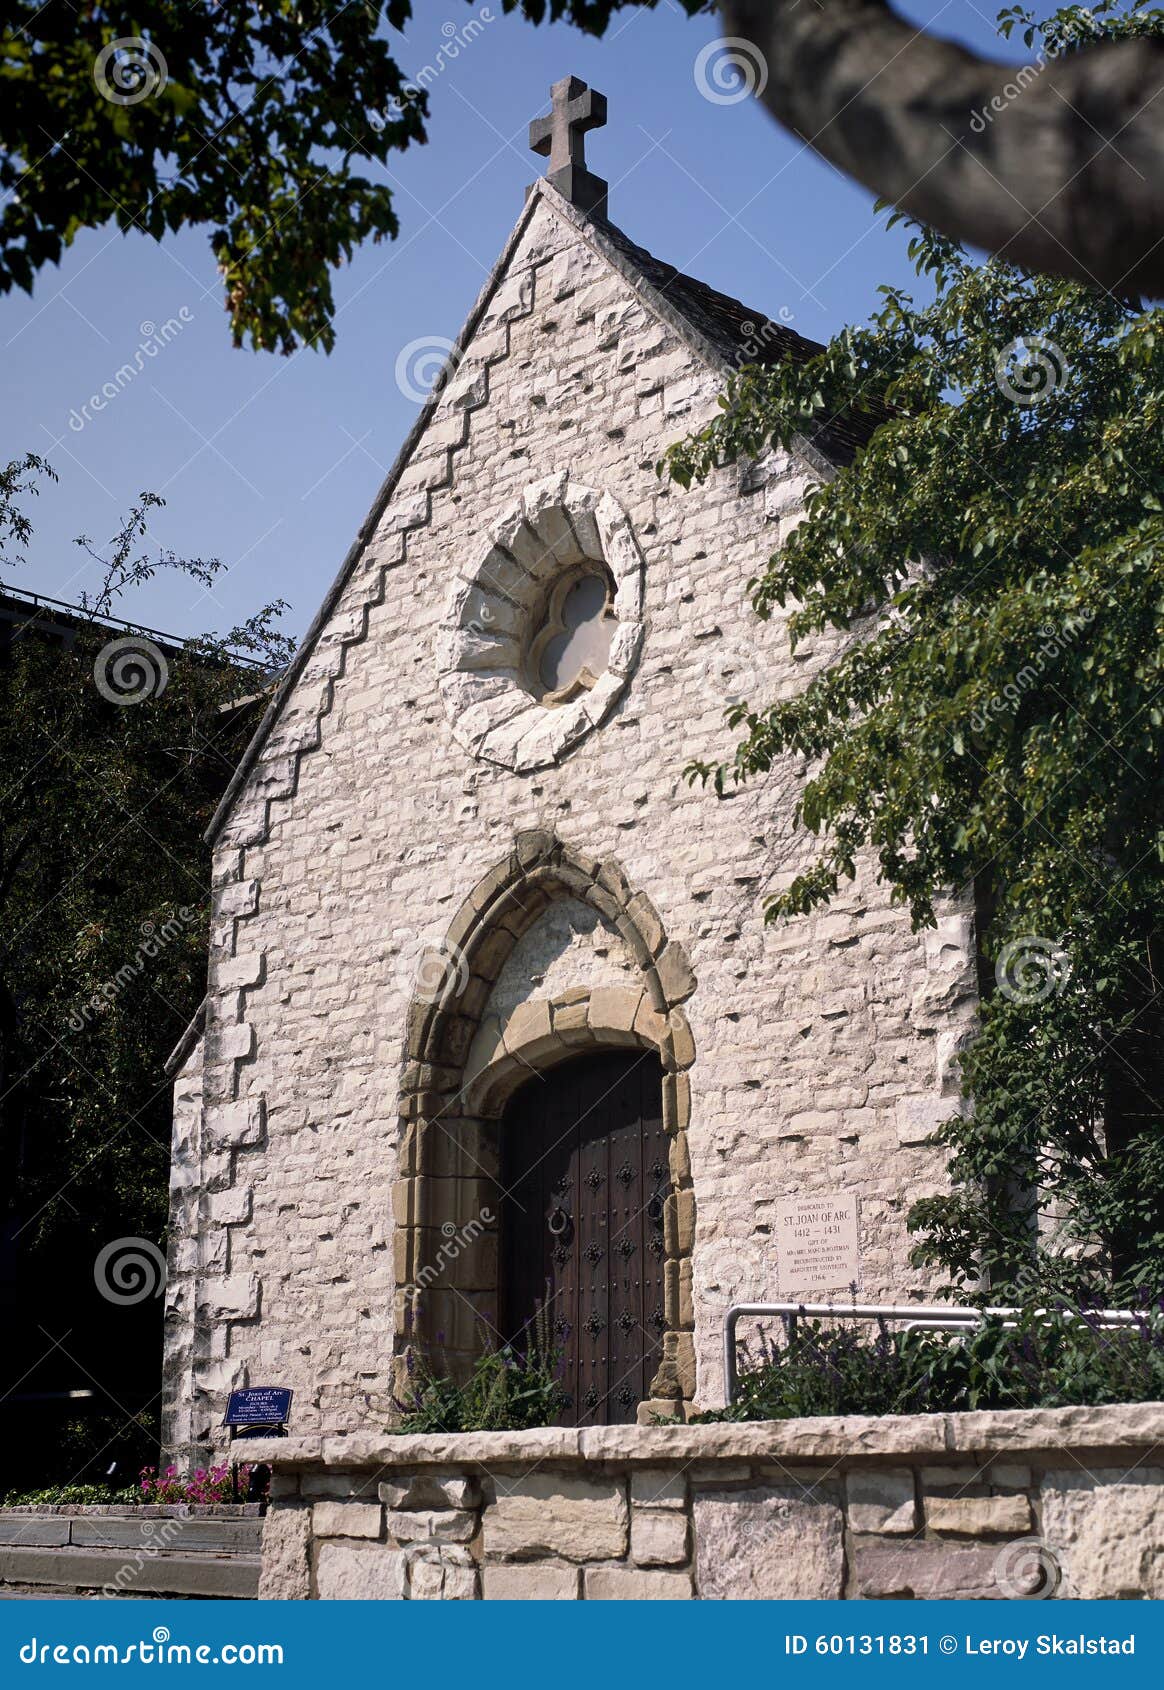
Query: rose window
{"type": "Point", "coordinates": [543, 631]}
{"type": "Point", "coordinates": [570, 654]}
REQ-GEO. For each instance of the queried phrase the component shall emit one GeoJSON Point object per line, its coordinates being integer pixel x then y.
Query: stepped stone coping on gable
{"type": "Point", "coordinates": [558, 530]}
{"type": "Point", "coordinates": [852, 1439]}
{"type": "Point", "coordinates": [194, 1030]}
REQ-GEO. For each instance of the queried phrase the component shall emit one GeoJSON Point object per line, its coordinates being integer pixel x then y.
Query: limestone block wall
{"type": "Point", "coordinates": [1029, 1505]}
{"type": "Point", "coordinates": [822, 1050]}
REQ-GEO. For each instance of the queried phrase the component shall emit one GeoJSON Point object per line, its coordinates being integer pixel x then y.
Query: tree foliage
{"type": "Point", "coordinates": [267, 123]}
{"type": "Point", "coordinates": [992, 564]}
{"type": "Point", "coordinates": [270, 123]}
{"type": "Point", "coordinates": [103, 927]}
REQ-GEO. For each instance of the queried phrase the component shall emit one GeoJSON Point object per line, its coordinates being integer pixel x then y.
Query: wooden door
{"type": "Point", "coordinates": [584, 1178]}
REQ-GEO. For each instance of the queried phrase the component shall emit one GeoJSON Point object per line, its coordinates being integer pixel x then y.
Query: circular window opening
{"type": "Point", "coordinates": [571, 650]}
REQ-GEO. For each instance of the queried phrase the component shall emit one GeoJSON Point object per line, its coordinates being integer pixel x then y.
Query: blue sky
{"type": "Point", "coordinates": [270, 463]}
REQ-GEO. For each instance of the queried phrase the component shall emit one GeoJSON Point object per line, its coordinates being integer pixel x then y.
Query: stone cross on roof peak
{"type": "Point", "coordinates": [562, 137]}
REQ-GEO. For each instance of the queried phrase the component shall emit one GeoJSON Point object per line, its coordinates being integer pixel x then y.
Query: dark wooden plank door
{"type": "Point", "coordinates": [584, 1177]}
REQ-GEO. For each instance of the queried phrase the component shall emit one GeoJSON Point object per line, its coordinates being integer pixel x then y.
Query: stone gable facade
{"type": "Point", "coordinates": [429, 884]}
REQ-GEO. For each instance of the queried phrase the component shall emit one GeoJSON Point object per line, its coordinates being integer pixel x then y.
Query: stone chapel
{"type": "Point", "coordinates": [493, 1018]}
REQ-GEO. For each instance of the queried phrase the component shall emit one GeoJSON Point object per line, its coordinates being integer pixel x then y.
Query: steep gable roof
{"type": "Point", "coordinates": [714, 323]}
{"type": "Point", "coordinates": [720, 330]}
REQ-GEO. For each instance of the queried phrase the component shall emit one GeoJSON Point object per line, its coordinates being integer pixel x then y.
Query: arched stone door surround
{"type": "Point", "coordinates": [463, 1064]}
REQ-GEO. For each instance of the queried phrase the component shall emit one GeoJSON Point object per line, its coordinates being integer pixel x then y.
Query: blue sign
{"type": "Point", "coordinates": [263, 1405]}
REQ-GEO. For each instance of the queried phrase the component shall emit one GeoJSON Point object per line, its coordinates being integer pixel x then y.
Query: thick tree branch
{"type": "Point", "coordinates": [1059, 168]}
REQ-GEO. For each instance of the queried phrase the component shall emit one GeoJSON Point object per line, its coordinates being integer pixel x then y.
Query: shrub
{"type": "Point", "coordinates": [59, 1495]}
{"type": "Point", "coordinates": [508, 1390]}
{"type": "Point", "coordinates": [1049, 1358]}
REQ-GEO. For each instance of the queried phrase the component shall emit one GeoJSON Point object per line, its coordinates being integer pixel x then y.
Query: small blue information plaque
{"type": "Point", "coordinates": [263, 1405]}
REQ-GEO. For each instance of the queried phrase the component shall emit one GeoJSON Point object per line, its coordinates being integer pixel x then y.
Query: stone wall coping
{"type": "Point", "coordinates": [136, 1510]}
{"type": "Point", "coordinates": [854, 1438]}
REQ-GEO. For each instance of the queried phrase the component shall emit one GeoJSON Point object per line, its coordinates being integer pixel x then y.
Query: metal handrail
{"type": "Point", "coordinates": [918, 1318]}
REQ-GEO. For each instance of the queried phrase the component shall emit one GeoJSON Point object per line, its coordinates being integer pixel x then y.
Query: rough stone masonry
{"type": "Point", "coordinates": [432, 879]}
{"type": "Point", "coordinates": [1025, 1504]}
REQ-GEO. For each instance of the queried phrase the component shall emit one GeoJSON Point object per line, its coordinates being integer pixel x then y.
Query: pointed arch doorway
{"type": "Point", "coordinates": [585, 1180]}
{"type": "Point", "coordinates": [465, 1063]}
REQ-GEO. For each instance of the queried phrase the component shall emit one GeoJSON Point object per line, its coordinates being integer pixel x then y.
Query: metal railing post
{"type": "Point", "coordinates": [730, 1375]}
{"type": "Point", "coordinates": [915, 1317]}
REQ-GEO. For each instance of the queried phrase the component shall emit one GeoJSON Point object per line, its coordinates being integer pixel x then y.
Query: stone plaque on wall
{"type": "Point", "coordinates": [817, 1243]}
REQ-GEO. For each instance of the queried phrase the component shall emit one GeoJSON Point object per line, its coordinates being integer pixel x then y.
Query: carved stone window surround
{"type": "Point", "coordinates": [497, 618]}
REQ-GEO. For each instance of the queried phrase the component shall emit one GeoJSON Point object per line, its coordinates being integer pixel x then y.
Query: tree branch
{"type": "Point", "coordinates": [1058, 167]}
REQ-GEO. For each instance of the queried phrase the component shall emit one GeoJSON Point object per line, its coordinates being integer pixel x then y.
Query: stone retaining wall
{"type": "Point", "coordinates": [115, 1550]}
{"type": "Point", "coordinates": [1065, 1503]}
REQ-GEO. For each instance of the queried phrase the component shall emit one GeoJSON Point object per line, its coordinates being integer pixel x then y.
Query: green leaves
{"type": "Point", "coordinates": [248, 120]}
{"type": "Point", "coordinates": [509, 1389]}
{"type": "Point", "coordinates": [991, 565]}
{"type": "Point", "coordinates": [1046, 1358]}
{"type": "Point", "coordinates": [1008, 661]}
{"type": "Point", "coordinates": [104, 891]}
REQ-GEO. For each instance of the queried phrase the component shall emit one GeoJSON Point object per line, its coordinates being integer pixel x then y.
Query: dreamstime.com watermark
{"type": "Point", "coordinates": [129, 1271]}
{"type": "Point", "coordinates": [443, 972]}
{"type": "Point", "coordinates": [422, 364]}
{"type": "Point", "coordinates": [157, 1650]}
{"type": "Point", "coordinates": [155, 938]}
{"type": "Point", "coordinates": [482, 618]}
{"type": "Point", "coordinates": [130, 669]}
{"type": "Point", "coordinates": [157, 1535]}
{"type": "Point", "coordinates": [129, 70]}
{"type": "Point", "coordinates": [1028, 1570]}
{"type": "Point", "coordinates": [757, 337]}
{"type": "Point", "coordinates": [1031, 969]}
{"type": "Point", "coordinates": [1014, 89]}
{"type": "Point", "coordinates": [456, 1239]}
{"type": "Point", "coordinates": [1029, 369]}
{"type": "Point", "coordinates": [731, 70]}
{"type": "Point", "coordinates": [154, 337]}
{"type": "Point", "coordinates": [456, 39]}
{"type": "Point", "coordinates": [1054, 642]}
